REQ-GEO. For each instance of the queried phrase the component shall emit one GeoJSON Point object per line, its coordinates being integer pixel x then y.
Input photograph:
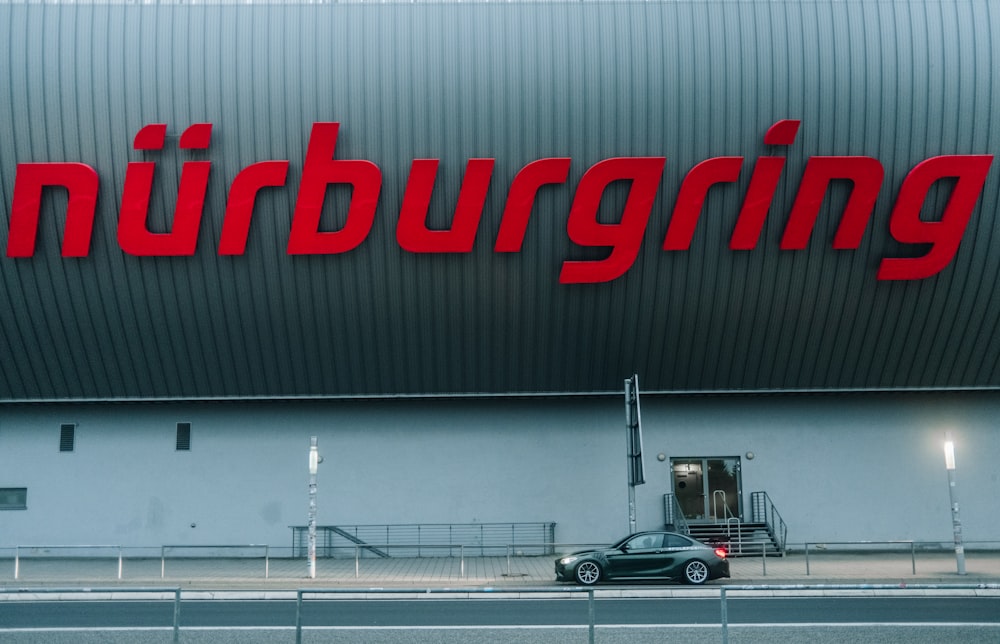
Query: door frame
{"type": "Point", "coordinates": [707, 493]}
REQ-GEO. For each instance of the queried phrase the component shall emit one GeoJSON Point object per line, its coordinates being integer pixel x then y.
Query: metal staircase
{"type": "Point", "coordinates": [764, 535]}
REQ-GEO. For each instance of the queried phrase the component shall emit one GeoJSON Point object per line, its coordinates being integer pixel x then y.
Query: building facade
{"type": "Point", "coordinates": [440, 236]}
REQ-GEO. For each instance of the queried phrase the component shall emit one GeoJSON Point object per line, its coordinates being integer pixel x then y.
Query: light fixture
{"type": "Point", "coordinates": [949, 453]}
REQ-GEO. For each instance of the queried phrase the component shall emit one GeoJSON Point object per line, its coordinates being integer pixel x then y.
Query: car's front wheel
{"type": "Point", "coordinates": [696, 572]}
{"type": "Point", "coordinates": [588, 573]}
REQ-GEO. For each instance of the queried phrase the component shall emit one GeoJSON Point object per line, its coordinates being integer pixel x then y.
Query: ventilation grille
{"type": "Point", "coordinates": [67, 437]}
{"type": "Point", "coordinates": [183, 437]}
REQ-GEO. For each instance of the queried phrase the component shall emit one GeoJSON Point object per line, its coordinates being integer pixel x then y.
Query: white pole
{"type": "Point", "coordinates": [313, 470]}
{"type": "Point", "coordinates": [956, 519]}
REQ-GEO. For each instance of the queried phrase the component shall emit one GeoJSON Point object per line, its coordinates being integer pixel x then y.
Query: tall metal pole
{"type": "Point", "coordinates": [633, 428]}
{"type": "Point", "coordinates": [313, 470]}
{"type": "Point", "coordinates": [956, 518]}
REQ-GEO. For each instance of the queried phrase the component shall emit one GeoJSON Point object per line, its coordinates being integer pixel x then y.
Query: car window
{"type": "Point", "coordinates": [645, 542]}
{"type": "Point", "coordinates": [675, 541]}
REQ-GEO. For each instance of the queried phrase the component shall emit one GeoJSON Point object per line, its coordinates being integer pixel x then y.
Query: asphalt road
{"type": "Point", "coordinates": [549, 621]}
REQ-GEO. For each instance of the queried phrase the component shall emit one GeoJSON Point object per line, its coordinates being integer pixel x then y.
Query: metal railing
{"type": "Point", "coordinates": [303, 593]}
{"type": "Point", "coordinates": [726, 593]}
{"type": "Point", "coordinates": [47, 550]}
{"type": "Point", "coordinates": [673, 515]}
{"type": "Point", "coordinates": [521, 559]}
{"type": "Point", "coordinates": [487, 538]}
{"type": "Point", "coordinates": [213, 551]}
{"type": "Point", "coordinates": [175, 592]}
{"type": "Point", "coordinates": [763, 511]}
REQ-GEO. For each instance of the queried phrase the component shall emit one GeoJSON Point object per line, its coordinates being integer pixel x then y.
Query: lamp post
{"type": "Point", "coordinates": [313, 469]}
{"type": "Point", "coordinates": [956, 519]}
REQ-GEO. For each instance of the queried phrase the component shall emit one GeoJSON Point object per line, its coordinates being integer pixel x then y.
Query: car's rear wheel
{"type": "Point", "coordinates": [588, 573]}
{"type": "Point", "coordinates": [696, 572]}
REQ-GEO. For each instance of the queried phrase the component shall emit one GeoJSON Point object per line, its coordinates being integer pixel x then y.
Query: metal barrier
{"type": "Point", "coordinates": [305, 593]}
{"type": "Point", "coordinates": [516, 554]}
{"type": "Point", "coordinates": [486, 537]}
{"type": "Point", "coordinates": [299, 594]}
{"type": "Point", "coordinates": [911, 544]}
{"type": "Point", "coordinates": [366, 547]}
{"type": "Point", "coordinates": [724, 590]}
{"type": "Point", "coordinates": [18, 549]}
{"type": "Point", "coordinates": [554, 548]}
{"type": "Point", "coordinates": [176, 592]}
{"type": "Point", "coordinates": [267, 554]}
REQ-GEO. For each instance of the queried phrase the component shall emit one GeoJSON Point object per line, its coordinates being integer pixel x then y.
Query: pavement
{"type": "Point", "coordinates": [44, 570]}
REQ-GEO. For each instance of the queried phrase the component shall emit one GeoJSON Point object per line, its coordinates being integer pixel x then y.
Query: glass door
{"type": "Point", "coordinates": [708, 489]}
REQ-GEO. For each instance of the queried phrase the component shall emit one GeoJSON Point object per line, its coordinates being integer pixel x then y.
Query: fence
{"type": "Point", "coordinates": [52, 553]}
{"type": "Point", "coordinates": [216, 552]}
{"type": "Point", "coordinates": [72, 563]}
{"type": "Point", "coordinates": [175, 595]}
{"type": "Point", "coordinates": [409, 539]}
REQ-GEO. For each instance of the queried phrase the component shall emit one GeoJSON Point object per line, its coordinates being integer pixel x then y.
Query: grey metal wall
{"type": "Point", "coordinates": [900, 82]}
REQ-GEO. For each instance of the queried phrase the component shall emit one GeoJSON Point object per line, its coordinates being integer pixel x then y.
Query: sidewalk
{"type": "Point", "coordinates": [452, 572]}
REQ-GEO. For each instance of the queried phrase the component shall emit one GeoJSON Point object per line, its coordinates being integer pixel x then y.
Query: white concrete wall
{"type": "Point", "coordinates": [839, 467]}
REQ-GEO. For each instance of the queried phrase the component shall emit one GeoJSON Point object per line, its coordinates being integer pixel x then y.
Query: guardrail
{"type": "Point", "coordinates": [48, 550]}
{"type": "Point", "coordinates": [359, 549]}
{"type": "Point", "coordinates": [300, 595]}
{"type": "Point", "coordinates": [911, 544]}
{"type": "Point", "coordinates": [724, 590]}
{"type": "Point", "coordinates": [725, 594]}
{"type": "Point", "coordinates": [207, 548]}
{"type": "Point", "coordinates": [147, 563]}
{"type": "Point", "coordinates": [487, 538]}
{"type": "Point", "coordinates": [176, 592]}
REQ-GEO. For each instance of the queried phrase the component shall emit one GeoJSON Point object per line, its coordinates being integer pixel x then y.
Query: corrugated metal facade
{"type": "Point", "coordinates": [900, 82]}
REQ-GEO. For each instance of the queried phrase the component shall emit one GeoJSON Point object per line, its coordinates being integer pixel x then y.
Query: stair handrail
{"type": "Point", "coordinates": [727, 513]}
{"type": "Point", "coordinates": [764, 511]}
{"type": "Point", "coordinates": [674, 515]}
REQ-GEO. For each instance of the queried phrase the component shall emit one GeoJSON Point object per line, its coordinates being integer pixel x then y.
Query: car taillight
{"type": "Point", "coordinates": [720, 553]}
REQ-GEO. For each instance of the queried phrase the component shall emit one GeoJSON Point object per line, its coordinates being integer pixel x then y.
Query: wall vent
{"type": "Point", "coordinates": [183, 437]}
{"type": "Point", "coordinates": [67, 437]}
{"type": "Point", "coordinates": [13, 498]}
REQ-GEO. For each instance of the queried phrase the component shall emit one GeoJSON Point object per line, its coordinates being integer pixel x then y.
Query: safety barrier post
{"type": "Point", "coordinates": [298, 617]}
{"type": "Point", "coordinates": [590, 615]}
{"type": "Point", "coordinates": [725, 615]}
{"type": "Point", "coordinates": [177, 616]}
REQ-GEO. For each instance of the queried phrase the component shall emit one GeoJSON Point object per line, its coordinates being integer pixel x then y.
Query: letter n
{"type": "Point", "coordinates": [79, 179]}
{"type": "Point", "coordinates": [865, 173]}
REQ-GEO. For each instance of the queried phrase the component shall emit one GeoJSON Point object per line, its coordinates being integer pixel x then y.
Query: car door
{"type": "Point", "coordinates": [637, 557]}
{"type": "Point", "coordinates": [672, 555]}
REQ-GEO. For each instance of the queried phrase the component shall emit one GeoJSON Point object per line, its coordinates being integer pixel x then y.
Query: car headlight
{"type": "Point", "coordinates": [567, 560]}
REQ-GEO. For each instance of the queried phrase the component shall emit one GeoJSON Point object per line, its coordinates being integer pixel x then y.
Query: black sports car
{"type": "Point", "coordinates": [646, 555]}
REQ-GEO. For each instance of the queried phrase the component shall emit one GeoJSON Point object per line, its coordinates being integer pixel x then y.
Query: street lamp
{"type": "Point", "coordinates": [313, 470]}
{"type": "Point", "coordinates": [956, 519]}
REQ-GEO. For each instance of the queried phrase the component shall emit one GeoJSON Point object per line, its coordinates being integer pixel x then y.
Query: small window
{"type": "Point", "coordinates": [183, 437]}
{"type": "Point", "coordinates": [67, 437]}
{"type": "Point", "coordinates": [13, 498]}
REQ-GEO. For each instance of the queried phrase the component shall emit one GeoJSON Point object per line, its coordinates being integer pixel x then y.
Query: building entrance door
{"type": "Point", "coordinates": [708, 489]}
